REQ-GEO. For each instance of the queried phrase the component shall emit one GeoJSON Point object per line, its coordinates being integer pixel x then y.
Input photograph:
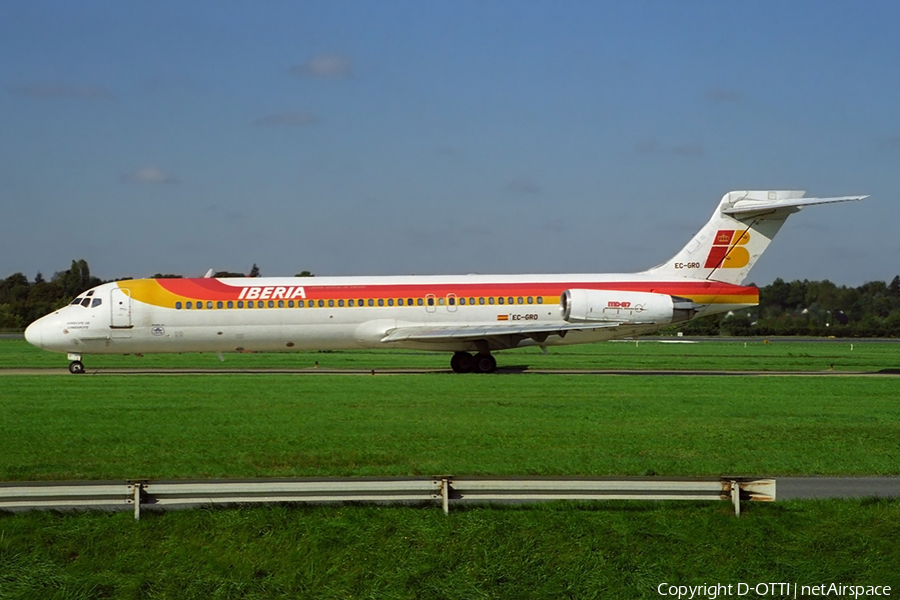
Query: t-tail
{"type": "Point", "coordinates": [737, 234]}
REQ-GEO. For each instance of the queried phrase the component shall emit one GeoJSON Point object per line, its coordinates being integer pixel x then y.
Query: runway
{"type": "Point", "coordinates": [830, 488]}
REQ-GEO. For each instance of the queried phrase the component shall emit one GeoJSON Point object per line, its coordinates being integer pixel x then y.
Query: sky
{"type": "Point", "coordinates": [382, 138]}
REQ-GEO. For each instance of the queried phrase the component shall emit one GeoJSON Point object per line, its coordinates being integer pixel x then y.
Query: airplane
{"type": "Point", "coordinates": [468, 315]}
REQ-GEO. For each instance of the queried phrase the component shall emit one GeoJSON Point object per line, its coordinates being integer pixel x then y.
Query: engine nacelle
{"type": "Point", "coordinates": [605, 306]}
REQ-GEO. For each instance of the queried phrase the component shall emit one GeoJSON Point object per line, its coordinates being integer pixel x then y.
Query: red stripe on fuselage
{"type": "Point", "coordinates": [213, 289]}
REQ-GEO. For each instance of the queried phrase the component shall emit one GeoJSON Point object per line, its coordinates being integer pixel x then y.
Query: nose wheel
{"type": "Point", "coordinates": [76, 367]}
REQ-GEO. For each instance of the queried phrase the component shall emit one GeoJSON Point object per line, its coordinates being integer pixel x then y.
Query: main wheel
{"type": "Point", "coordinates": [484, 363]}
{"type": "Point", "coordinates": [76, 367]}
{"type": "Point", "coordinates": [461, 362]}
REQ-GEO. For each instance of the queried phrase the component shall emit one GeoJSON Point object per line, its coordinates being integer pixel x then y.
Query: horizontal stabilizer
{"type": "Point", "coordinates": [743, 207]}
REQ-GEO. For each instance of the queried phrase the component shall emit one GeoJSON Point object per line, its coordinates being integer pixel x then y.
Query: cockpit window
{"type": "Point", "coordinates": [75, 301]}
{"type": "Point", "coordinates": [86, 302]}
{"type": "Point", "coordinates": [96, 302]}
{"type": "Point", "coordinates": [90, 293]}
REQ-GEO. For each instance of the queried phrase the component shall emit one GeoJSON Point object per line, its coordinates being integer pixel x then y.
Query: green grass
{"type": "Point", "coordinates": [196, 426]}
{"type": "Point", "coordinates": [766, 355]}
{"type": "Point", "coordinates": [260, 425]}
{"type": "Point", "coordinates": [598, 550]}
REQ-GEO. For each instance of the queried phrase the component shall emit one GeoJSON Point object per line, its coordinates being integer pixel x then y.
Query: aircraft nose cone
{"type": "Point", "coordinates": [34, 333]}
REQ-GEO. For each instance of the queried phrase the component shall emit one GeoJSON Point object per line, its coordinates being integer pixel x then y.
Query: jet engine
{"type": "Point", "coordinates": [608, 306]}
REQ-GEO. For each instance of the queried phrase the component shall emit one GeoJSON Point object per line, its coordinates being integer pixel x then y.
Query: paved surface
{"type": "Point", "coordinates": [803, 488]}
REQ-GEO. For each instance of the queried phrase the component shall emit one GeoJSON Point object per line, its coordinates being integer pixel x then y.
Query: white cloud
{"type": "Point", "coordinates": [523, 185]}
{"type": "Point", "coordinates": [285, 119]}
{"type": "Point", "coordinates": [57, 90]}
{"type": "Point", "coordinates": [149, 175]}
{"type": "Point", "coordinates": [688, 150]}
{"type": "Point", "coordinates": [724, 95]}
{"type": "Point", "coordinates": [325, 66]}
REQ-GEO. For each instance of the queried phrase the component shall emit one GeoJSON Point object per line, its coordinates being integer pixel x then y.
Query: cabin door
{"type": "Point", "coordinates": [120, 307]}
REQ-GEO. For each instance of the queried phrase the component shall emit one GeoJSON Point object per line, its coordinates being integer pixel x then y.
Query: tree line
{"type": "Point", "coordinates": [816, 308]}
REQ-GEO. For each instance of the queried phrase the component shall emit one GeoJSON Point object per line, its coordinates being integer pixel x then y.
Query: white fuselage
{"type": "Point", "coordinates": [285, 314]}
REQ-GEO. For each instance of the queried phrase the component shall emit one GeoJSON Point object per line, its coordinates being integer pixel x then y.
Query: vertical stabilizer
{"type": "Point", "coordinates": [737, 234]}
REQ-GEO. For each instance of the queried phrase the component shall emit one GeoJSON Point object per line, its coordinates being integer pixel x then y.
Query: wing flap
{"type": "Point", "coordinates": [477, 332]}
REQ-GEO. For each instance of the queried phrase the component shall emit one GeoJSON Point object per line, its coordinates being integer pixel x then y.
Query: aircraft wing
{"type": "Point", "coordinates": [456, 333]}
{"type": "Point", "coordinates": [750, 206]}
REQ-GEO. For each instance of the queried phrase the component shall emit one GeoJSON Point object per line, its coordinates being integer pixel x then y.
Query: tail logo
{"type": "Point", "coordinates": [728, 251]}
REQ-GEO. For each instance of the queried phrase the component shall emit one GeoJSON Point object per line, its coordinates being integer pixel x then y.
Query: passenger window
{"type": "Point", "coordinates": [230, 304]}
{"type": "Point", "coordinates": [540, 299]}
{"type": "Point", "coordinates": [199, 305]}
{"type": "Point", "coordinates": [350, 302]}
{"type": "Point", "coordinates": [451, 301]}
{"type": "Point", "coordinates": [219, 304]}
{"type": "Point", "coordinates": [381, 302]}
{"type": "Point", "coordinates": [390, 301]}
{"type": "Point", "coordinates": [510, 300]}
{"type": "Point", "coordinates": [530, 300]}
{"type": "Point", "coordinates": [440, 301]}
{"type": "Point", "coordinates": [399, 301]}
{"type": "Point", "coordinates": [340, 303]}
{"type": "Point", "coordinates": [500, 300]}
{"type": "Point", "coordinates": [481, 301]}
{"type": "Point", "coordinates": [409, 302]}
{"type": "Point", "coordinates": [271, 304]}
{"type": "Point", "coordinates": [209, 304]}
{"type": "Point", "coordinates": [189, 306]}
{"type": "Point", "coordinates": [290, 304]}
{"type": "Point", "coordinates": [491, 300]}
{"type": "Point", "coordinates": [371, 302]}
{"type": "Point", "coordinates": [472, 301]}
{"type": "Point", "coordinates": [419, 302]}
{"type": "Point", "coordinates": [240, 304]}
{"type": "Point", "coordinates": [249, 303]}
{"type": "Point", "coordinates": [281, 304]}
{"type": "Point", "coordinates": [330, 303]}
{"type": "Point", "coordinates": [299, 303]}
{"type": "Point", "coordinates": [462, 301]}
{"type": "Point", "coordinates": [178, 306]}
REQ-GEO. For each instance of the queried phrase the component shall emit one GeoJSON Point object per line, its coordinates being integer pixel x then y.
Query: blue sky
{"type": "Point", "coordinates": [441, 137]}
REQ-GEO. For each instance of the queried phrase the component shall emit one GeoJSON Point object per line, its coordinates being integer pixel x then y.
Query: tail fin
{"type": "Point", "coordinates": [738, 233]}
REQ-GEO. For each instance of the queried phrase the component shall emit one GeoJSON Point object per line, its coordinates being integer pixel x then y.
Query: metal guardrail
{"type": "Point", "coordinates": [135, 494]}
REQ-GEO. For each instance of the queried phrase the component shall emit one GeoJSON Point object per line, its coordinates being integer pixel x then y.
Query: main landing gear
{"type": "Point", "coordinates": [463, 362]}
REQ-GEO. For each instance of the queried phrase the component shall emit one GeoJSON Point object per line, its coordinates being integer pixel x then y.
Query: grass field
{"type": "Point", "coordinates": [258, 425]}
{"type": "Point", "coordinates": [610, 550]}
{"type": "Point", "coordinates": [650, 353]}
{"type": "Point", "coordinates": [281, 425]}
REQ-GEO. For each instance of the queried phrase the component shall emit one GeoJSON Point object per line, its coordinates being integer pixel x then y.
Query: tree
{"type": "Point", "coordinates": [304, 274]}
{"type": "Point", "coordinates": [254, 272]}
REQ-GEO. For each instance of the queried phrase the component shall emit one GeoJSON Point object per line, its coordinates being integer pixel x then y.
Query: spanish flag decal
{"type": "Point", "coordinates": [503, 317]}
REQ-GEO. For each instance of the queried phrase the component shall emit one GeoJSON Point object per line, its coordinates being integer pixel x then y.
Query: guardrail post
{"type": "Point", "coordinates": [445, 495]}
{"type": "Point", "coordinates": [136, 489]}
{"type": "Point", "coordinates": [736, 497]}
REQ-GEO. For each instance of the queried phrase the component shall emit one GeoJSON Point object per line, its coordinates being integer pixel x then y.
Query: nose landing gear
{"type": "Point", "coordinates": [76, 367]}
